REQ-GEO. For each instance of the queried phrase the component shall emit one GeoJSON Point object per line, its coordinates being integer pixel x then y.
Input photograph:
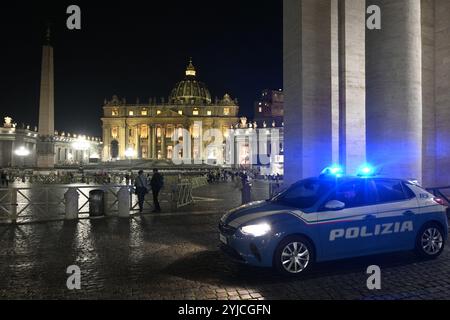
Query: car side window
{"type": "Point", "coordinates": [352, 193]}
{"type": "Point", "coordinates": [304, 195]}
{"type": "Point", "coordinates": [390, 191]}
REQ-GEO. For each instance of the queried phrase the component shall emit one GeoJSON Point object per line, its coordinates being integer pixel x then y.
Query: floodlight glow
{"type": "Point", "coordinates": [129, 153]}
{"type": "Point", "coordinates": [22, 152]}
{"type": "Point", "coordinates": [81, 144]}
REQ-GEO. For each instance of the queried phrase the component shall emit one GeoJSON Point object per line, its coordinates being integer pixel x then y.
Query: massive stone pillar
{"type": "Point", "coordinates": [428, 93]}
{"type": "Point", "coordinates": [335, 79]}
{"type": "Point", "coordinates": [46, 153]}
{"type": "Point", "coordinates": [394, 90]}
{"type": "Point", "coordinates": [352, 84]}
{"type": "Point", "coordinates": [307, 83]}
{"type": "Point", "coordinates": [442, 93]}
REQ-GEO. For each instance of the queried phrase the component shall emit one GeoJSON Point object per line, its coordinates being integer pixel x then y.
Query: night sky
{"type": "Point", "coordinates": [136, 49]}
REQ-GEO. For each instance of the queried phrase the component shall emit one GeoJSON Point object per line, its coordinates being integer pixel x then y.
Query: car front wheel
{"type": "Point", "coordinates": [294, 256]}
{"type": "Point", "coordinates": [430, 241]}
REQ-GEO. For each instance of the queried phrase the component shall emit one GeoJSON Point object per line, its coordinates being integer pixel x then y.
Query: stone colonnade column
{"type": "Point", "coordinates": [352, 84]}
{"type": "Point", "coordinates": [442, 93]}
{"type": "Point", "coordinates": [394, 90]}
{"type": "Point", "coordinates": [307, 82]}
{"type": "Point", "coordinates": [428, 93]}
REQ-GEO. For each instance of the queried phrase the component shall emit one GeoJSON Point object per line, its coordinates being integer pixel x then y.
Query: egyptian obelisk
{"type": "Point", "coordinates": [46, 157]}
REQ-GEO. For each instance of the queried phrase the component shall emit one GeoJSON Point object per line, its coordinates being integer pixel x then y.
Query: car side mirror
{"type": "Point", "coordinates": [334, 205]}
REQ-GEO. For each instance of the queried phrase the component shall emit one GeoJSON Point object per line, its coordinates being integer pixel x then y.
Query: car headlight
{"type": "Point", "coordinates": [256, 230]}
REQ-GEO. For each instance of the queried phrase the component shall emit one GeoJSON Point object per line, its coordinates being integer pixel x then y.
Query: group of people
{"type": "Point", "coordinates": [144, 184]}
{"type": "Point", "coordinates": [4, 177]}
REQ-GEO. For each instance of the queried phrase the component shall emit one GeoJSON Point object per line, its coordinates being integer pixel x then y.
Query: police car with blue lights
{"type": "Point", "coordinates": [332, 217]}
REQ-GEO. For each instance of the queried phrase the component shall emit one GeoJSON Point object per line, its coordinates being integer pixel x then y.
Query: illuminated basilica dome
{"type": "Point", "coordinates": [190, 91]}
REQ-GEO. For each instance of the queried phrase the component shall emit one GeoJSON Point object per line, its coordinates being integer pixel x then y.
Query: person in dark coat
{"type": "Point", "coordinates": [141, 185]}
{"type": "Point", "coordinates": [156, 183]}
{"type": "Point", "coordinates": [3, 178]}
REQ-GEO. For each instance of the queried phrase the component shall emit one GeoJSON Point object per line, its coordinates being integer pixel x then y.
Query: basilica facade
{"type": "Point", "coordinates": [153, 131]}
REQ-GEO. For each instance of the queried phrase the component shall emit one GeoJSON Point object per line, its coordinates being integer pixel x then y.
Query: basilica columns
{"type": "Point", "coordinates": [442, 90]}
{"type": "Point", "coordinates": [163, 143]}
{"type": "Point", "coordinates": [307, 82]}
{"type": "Point", "coordinates": [154, 139]}
{"type": "Point", "coordinates": [394, 90]}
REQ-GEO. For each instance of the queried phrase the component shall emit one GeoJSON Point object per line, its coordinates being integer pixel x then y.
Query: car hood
{"type": "Point", "coordinates": [253, 211]}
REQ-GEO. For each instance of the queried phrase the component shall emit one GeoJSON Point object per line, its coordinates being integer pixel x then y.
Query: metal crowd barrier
{"type": "Point", "coordinates": [198, 182]}
{"type": "Point", "coordinates": [43, 203]}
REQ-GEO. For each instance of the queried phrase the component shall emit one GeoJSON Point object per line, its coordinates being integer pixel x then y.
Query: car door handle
{"type": "Point", "coordinates": [408, 213]}
{"type": "Point", "coordinates": [370, 217]}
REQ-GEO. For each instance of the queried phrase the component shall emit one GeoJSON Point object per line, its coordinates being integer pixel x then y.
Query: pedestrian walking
{"type": "Point", "coordinates": [157, 184]}
{"type": "Point", "coordinates": [3, 178]}
{"type": "Point", "coordinates": [141, 187]}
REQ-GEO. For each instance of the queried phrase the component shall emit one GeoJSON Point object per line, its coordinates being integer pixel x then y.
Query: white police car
{"type": "Point", "coordinates": [333, 217]}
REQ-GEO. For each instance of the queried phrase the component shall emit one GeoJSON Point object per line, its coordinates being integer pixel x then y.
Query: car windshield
{"type": "Point", "coordinates": [305, 194]}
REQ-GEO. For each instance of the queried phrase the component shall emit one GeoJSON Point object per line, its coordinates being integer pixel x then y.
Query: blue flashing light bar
{"type": "Point", "coordinates": [334, 170]}
{"type": "Point", "coordinates": [366, 170]}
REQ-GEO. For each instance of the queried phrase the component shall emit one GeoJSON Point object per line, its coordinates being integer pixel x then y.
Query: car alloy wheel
{"type": "Point", "coordinates": [432, 241]}
{"type": "Point", "coordinates": [295, 257]}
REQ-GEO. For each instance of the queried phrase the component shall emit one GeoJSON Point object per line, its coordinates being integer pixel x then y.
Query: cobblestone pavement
{"type": "Point", "coordinates": [175, 256]}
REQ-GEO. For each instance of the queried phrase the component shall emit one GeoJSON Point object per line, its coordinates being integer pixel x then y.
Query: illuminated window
{"type": "Point", "coordinates": [131, 113]}
{"type": "Point", "coordinates": [180, 112]}
{"type": "Point", "coordinates": [196, 131]}
{"type": "Point", "coordinates": [226, 111]}
{"type": "Point", "coordinates": [144, 131]}
{"type": "Point", "coordinates": [158, 112]}
{"type": "Point", "coordinates": [158, 132]}
{"type": "Point", "coordinates": [209, 112]}
{"type": "Point", "coordinates": [144, 112]}
{"type": "Point", "coordinates": [260, 109]}
{"type": "Point", "coordinates": [115, 112]}
{"type": "Point", "coordinates": [195, 112]}
{"type": "Point", "coordinates": [114, 132]}
{"type": "Point", "coordinates": [169, 132]}
{"type": "Point", "coordinates": [169, 152]}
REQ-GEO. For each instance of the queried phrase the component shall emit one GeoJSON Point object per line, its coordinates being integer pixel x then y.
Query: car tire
{"type": "Point", "coordinates": [294, 256]}
{"type": "Point", "coordinates": [430, 241]}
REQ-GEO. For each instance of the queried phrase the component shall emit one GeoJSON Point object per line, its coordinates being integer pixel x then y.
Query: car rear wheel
{"type": "Point", "coordinates": [294, 256]}
{"type": "Point", "coordinates": [430, 241]}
